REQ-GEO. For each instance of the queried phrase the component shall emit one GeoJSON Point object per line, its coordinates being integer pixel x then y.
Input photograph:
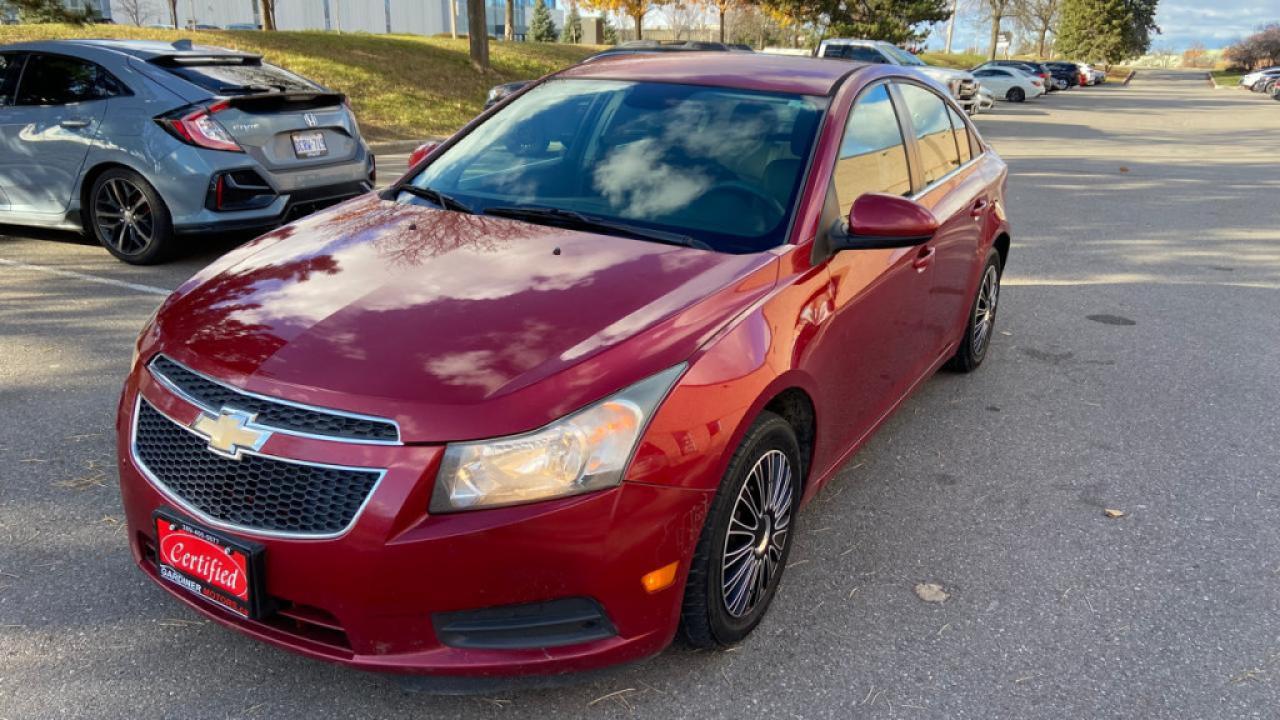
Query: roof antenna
{"type": "Point", "coordinates": [183, 44]}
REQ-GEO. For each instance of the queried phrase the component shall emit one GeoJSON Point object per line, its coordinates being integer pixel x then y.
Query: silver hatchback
{"type": "Point", "coordinates": [138, 142]}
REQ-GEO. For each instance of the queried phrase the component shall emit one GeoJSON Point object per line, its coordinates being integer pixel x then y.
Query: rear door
{"type": "Point", "coordinates": [951, 187]}
{"type": "Point", "coordinates": [10, 71]}
{"type": "Point", "coordinates": [46, 133]}
{"type": "Point", "coordinates": [284, 121]}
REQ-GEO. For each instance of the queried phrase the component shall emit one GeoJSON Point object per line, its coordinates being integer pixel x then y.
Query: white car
{"type": "Point", "coordinates": [1096, 77]}
{"type": "Point", "coordinates": [961, 84]}
{"type": "Point", "coordinates": [986, 100]}
{"type": "Point", "coordinates": [1255, 77]}
{"type": "Point", "coordinates": [1010, 84]}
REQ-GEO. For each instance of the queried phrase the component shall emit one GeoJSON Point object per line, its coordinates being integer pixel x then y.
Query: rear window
{"type": "Point", "coordinates": [249, 77]}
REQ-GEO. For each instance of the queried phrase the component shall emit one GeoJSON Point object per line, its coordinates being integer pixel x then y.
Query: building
{"type": "Point", "coordinates": [411, 17]}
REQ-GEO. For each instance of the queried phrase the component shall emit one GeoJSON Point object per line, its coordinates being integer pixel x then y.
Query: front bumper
{"type": "Point", "coordinates": [375, 596]}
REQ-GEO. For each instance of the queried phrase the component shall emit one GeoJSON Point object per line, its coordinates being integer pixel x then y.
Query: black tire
{"type": "Point", "coordinates": [707, 621]}
{"type": "Point", "coordinates": [977, 342]}
{"type": "Point", "coordinates": [1016, 95]}
{"type": "Point", "coordinates": [126, 215]}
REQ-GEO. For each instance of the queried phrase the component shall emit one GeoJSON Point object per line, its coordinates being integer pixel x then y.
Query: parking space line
{"type": "Point", "coordinates": [136, 287]}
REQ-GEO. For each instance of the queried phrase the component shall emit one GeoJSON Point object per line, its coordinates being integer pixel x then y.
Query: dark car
{"type": "Point", "coordinates": [1066, 71]}
{"type": "Point", "coordinates": [563, 389]}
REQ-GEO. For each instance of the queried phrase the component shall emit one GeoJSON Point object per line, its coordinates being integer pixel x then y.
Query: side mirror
{"type": "Point", "coordinates": [877, 220]}
{"type": "Point", "coordinates": [421, 152]}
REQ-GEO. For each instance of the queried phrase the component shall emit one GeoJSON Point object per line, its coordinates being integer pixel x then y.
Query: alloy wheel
{"type": "Point", "coordinates": [754, 546]}
{"type": "Point", "coordinates": [124, 216]}
{"type": "Point", "coordinates": [984, 315]}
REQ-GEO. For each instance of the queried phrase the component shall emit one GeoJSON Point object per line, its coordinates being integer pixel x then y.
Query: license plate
{"type": "Point", "coordinates": [210, 565]}
{"type": "Point", "coordinates": [309, 145]}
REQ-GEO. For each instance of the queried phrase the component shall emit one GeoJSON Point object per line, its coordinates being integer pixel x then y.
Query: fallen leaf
{"type": "Point", "coordinates": [931, 592]}
{"type": "Point", "coordinates": [1113, 514]}
{"type": "Point", "coordinates": [1124, 169]}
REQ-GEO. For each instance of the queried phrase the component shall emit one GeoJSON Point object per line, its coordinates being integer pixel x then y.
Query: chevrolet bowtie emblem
{"type": "Point", "coordinates": [229, 432]}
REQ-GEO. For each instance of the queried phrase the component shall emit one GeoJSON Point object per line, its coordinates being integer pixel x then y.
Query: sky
{"type": "Point", "coordinates": [1215, 23]}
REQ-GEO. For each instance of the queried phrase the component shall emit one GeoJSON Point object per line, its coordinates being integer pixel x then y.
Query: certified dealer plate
{"type": "Point", "coordinates": [210, 565]}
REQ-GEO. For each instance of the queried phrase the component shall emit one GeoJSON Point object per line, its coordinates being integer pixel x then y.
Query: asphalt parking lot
{"type": "Point", "coordinates": [1135, 370]}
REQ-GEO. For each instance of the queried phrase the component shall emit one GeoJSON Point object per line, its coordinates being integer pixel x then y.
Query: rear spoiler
{"type": "Point", "coordinates": [185, 59]}
{"type": "Point", "coordinates": [271, 101]}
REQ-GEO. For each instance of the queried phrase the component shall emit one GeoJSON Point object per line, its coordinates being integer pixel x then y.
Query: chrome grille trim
{"type": "Point", "coordinates": [170, 495]}
{"type": "Point", "coordinates": [265, 422]}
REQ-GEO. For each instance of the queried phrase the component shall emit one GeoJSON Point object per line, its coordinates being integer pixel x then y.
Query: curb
{"type": "Point", "coordinates": [395, 147]}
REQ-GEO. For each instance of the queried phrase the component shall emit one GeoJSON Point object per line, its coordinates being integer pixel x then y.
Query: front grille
{"type": "Point", "coordinates": [213, 396]}
{"type": "Point", "coordinates": [967, 89]}
{"type": "Point", "coordinates": [254, 492]}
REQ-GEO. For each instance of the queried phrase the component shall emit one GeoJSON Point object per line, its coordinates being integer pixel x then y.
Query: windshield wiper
{"type": "Point", "coordinates": [579, 221]}
{"type": "Point", "coordinates": [447, 202]}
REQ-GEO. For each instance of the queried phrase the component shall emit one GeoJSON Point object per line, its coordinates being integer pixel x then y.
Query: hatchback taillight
{"type": "Point", "coordinates": [197, 126]}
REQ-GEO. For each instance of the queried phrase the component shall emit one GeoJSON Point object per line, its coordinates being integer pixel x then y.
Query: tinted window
{"type": "Point", "coordinates": [873, 157]}
{"type": "Point", "coordinates": [54, 80]}
{"type": "Point", "coordinates": [239, 77]}
{"type": "Point", "coordinates": [985, 73]}
{"type": "Point", "coordinates": [860, 53]}
{"type": "Point", "coordinates": [10, 69]}
{"type": "Point", "coordinates": [934, 135]}
{"type": "Point", "coordinates": [717, 164]}
{"type": "Point", "coordinates": [962, 135]}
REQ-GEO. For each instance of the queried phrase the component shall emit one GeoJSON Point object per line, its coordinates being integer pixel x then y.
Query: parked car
{"type": "Point", "coordinates": [1033, 69]}
{"type": "Point", "coordinates": [986, 100]}
{"type": "Point", "coordinates": [1263, 79]}
{"type": "Point", "coordinates": [961, 84]}
{"type": "Point", "coordinates": [1066, 72]}
{"type": "Point", "coordinates": [1010, 84]}
{"type": "Point", "coordinates": [136, 142]}
{"type": "Point", "coordinates": [1092, 75]}
{"type": "Point", "coordinates": [244, 26]}
{"type": "Point", "coordinates": [1249, 80]}
{"type": "Point", "coordinates": [562, 389]}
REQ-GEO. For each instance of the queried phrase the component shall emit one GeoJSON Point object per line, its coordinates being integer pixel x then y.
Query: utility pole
{"type": "Point", "coordinates": [951, 24]}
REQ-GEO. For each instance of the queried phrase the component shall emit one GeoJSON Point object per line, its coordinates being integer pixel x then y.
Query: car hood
{"type": "Point", "coordinates": [945, 74]}
{"type": "Point", "coordinates": [457, 326]}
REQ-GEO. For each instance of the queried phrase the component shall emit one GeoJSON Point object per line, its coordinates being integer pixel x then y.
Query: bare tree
{"type": "Point", "coordinates": [137, 12]}
{"type": "Point", "coordinates": [681, 18]}
{"type": "Point", "coordinates": [997, 11]}
{"type": "Point", "coordinates": [509, 33]}
{"type": "Point", "coordinates": [173, 13]}
{"type": "Point", "coordinates": [1041, 17]}
{"type": "Point", "coordinates": [268, 14]}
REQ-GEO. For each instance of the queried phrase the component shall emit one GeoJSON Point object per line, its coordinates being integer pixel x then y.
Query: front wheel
{"type": "Point", "coordinates": [982, 319]}
{"type": "Point", "coordinates": [1016, 95]}
{"type": "Point", "coordinates": [129, 218]}
{"type": "Point", "coordinates": [743, 549]}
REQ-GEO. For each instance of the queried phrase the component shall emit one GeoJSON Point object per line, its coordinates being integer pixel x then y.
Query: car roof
{"type": "Point", "coordinates": [142, 49]}
{"type": "Point", "coordinates": [754, 71]}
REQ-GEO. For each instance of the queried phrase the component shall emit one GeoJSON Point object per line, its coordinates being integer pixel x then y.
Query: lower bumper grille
{"type": "Point", "coordinates": [253, 493]}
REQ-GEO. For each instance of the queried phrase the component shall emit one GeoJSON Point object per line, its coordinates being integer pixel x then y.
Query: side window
{"type": "Point", "coordinates": [962, 136]}
{"type": "Point", "coordinates": [936, 139]}
{"type": "Point", "coordinates": [873, 156]}
{"type": "Point", "coordinates": [56, 80]}
{"type": "Point", "coordinates": [863, 53]}
{"type": "Point", "coordinates": [835, 51]}
{"type": "Point", "coordinates": [10, 70]}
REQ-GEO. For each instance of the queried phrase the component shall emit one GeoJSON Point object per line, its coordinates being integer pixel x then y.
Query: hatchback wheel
{"type": "Point", "coordinates": [982, 319]}
{"type": "Point", "coordinates": [127, 216]}
{"type": "Point", "coordinates": [1016, 95]}
{"type": "Point", "coordinates": [746, 540]}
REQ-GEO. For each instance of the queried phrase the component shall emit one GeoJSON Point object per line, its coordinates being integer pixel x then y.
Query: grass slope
{"type": "Point", "coordinates": [401, 86]}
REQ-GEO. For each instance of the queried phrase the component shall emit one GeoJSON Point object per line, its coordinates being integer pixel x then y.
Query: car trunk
{"type": "Point", "coordinates": [287, 131]}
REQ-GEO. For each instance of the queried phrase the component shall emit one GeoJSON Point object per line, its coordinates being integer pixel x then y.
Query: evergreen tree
{"type": "Point", "coordinates": [572, 32]}
{"type": "Point", "coordinates": [1095, 30]}
{"type": "Point", "coordinates": [542, 28]}
{"type": "Point", "coordinates": [608, 32]}
{"type": "Point", "coordinates": [895, 21]}
{"type": "Point", "coordinates": [50, 11]}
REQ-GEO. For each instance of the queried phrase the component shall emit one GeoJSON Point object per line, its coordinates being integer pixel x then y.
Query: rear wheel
{"type": "Point", "coordinates": [1015, 95]}
{"type": "Point", "coordinates": [746, 539]}
{"type": "Point", "coordinates": [128, 217]}
{"type": "Point", "coordinates": [982, 319]}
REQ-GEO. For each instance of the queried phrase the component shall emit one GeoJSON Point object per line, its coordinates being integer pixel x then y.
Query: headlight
{"type": "Point", "coordinates": [588, 450]}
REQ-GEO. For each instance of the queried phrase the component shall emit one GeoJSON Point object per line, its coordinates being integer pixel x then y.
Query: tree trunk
{"type": "Point", "coordinates": [268, 15]}
{"type": "Point", "coordinates": [510, 21]}
{"type": "Point", "coordinates": [477, 34]}
{"type": "Point", "coordinates": [1044, 31]}
{"type": "Point", "coordinates": [639, 20]}
{"type": "Point", "coordinates": [721, 23]}
{"type": "Point", "coordinates": [995, 34]}
{"type": "Point", "coordinates": [173, 13]}
{"type": "Point", "coordinates": [453, 19]}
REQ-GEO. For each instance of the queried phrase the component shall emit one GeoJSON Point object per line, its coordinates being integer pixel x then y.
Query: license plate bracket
{"type": "Point", "coordinates": [219, 569]}
{"type": "Point", "coordinates": [309, 145]}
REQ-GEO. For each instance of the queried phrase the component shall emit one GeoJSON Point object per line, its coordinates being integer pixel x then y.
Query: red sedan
{"type": "Point", "coordinates": [561, 391]}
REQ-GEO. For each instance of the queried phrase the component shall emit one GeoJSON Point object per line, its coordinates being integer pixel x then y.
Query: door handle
{"type": "Point", "coordinates": [979, 208]}
{"type": "Point", "coordinates": [924, 257]}
{"type": "Point", "coordinates": [74, 124]}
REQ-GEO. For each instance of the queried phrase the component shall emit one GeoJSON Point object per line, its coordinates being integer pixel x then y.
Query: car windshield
{"type": "Point", "coordinates": [902, 56]}
{"type": "Point", "coordinates": [717, 167]}
{"type": "Point", "coordinates": [239, 77]}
